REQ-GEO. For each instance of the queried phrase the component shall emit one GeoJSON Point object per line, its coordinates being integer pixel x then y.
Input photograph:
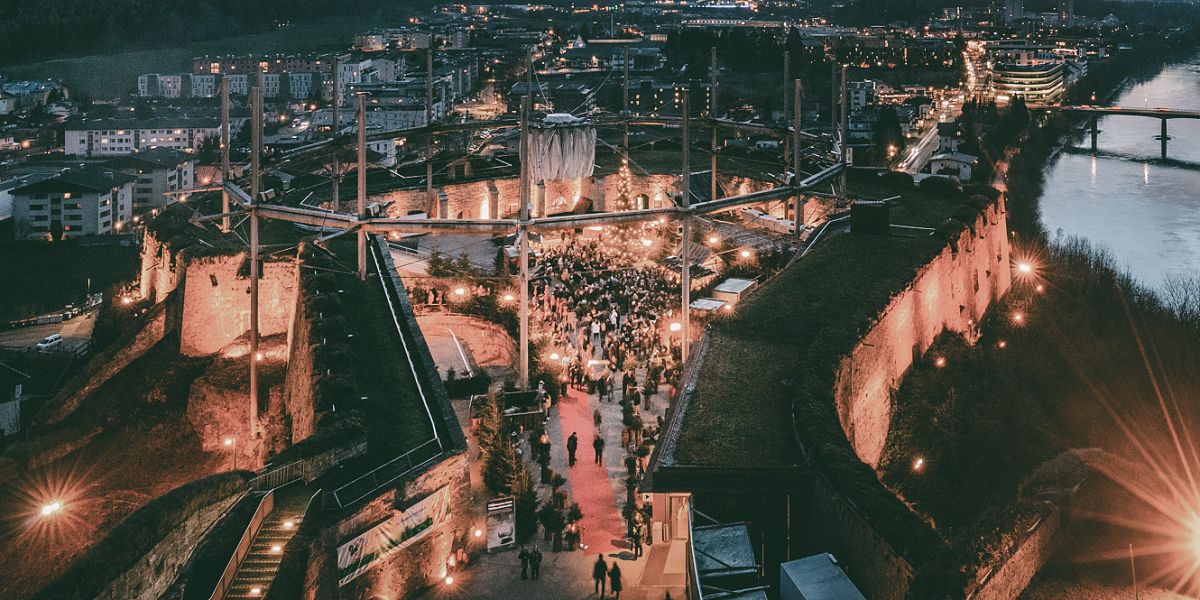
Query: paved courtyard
{"type": "Point", "coordinates": [600, 491]}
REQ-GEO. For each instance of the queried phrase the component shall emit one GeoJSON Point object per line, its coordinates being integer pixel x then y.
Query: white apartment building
{"type": "Point", "coordinates": [118, 137]}
{"type": "Point", "coordinates": [157, 171]}
{"type": "Point", "coordinates": [76, 202]}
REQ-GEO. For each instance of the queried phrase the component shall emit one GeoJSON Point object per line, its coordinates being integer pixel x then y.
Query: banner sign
{"type": "Point", "coordinates": [399, 531]}
{"type": "Point", "coordinates": [501, 523]}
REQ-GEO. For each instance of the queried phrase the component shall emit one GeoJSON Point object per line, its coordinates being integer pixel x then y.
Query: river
{"type": "Point", "coordinates": [1146, 212]}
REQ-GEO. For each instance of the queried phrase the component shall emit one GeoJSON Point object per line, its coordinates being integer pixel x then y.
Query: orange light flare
{"type": "Point", "coordinates": [52, 512]}
{"type": "Point", "coordinates": [1145, 489]}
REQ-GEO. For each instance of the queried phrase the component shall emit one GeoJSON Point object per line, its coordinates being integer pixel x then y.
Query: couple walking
{"type": "Point", "coordinates": [600, 571]}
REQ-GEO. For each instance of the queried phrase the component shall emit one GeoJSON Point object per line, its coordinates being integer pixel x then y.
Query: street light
{"type": "Point", "coordinates": [52, 508]}
{"type": "Point", "coordinates": [676, 327]}
{"type": "Point", "coordinates": [232, 445]}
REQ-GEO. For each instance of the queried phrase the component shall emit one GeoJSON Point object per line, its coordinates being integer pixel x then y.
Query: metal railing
{"type": "Point", "coordinates": [265, 507]}
{"type": "Point", "coordinates": [385, 474]}
{"type": "Point", "coordinates": [278, 476]}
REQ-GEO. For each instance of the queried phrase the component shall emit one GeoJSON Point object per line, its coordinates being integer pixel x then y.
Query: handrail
{"type": "Point", "coordinates": [265, 507]}
{"type": "Point", "coordinates": [278, 476]}
{"type": "Point", "coordinates": [389, 288]}
{"type": "Point", "coordinates": [373, 474]}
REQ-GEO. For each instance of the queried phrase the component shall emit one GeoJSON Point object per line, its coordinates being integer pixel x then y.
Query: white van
{"type": "Point", "coordinates": [49, 342]}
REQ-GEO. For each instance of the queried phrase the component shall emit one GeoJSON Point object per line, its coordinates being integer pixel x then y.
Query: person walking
{"type": "Point", "coordinates": [572, 446]}
{"type": "Point", "coordinates": [636, 540]}
{"type": "Point", "coordinates": [599, 572]}
{"type": "Point", "coordinates": [614, 580]}
{"type": "Point", "coordinates": [598, 446]}
{"type": "Point", "coordinates": [535, 563]}
{"type": "Point", "coordinates": [524, 556]}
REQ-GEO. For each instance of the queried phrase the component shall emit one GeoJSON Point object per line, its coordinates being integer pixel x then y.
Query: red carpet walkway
{"type": "Point", "coordinates": [592, 489]}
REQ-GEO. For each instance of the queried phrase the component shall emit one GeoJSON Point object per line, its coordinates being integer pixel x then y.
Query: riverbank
{"type": "Point", "coordinates": [1078, 355]}
{"type": "Point", "coordinates": [1044, 138]}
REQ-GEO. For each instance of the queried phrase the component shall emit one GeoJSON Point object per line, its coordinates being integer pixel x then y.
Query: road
{"type": "Point", "coordinates": [76, 333]}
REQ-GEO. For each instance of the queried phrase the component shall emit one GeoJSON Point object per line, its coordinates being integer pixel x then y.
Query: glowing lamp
{"type": "Point", "coordinates": [676, 326]}
{"type": "Point", "coordinates": [918, 465]}
{"type": "Point", "coordinates": [478, 532]}
{"type": "Point", "coordinates": [258, 356]}
{"type": "Point", "coordinates": [1018, 317]}
{"type": "Point", "coordinates": [276, 549]}
{"type": "Point", "coordinates": [459, 291]}
{"type": "Point", "coordinates": [1024, 268]}
{"type": "Point", "coordinates": [939, 362]}
{"type": "Point", "coordinates": [1002, 344]}
{"type": "Point", "coordinates": [554, 356]}
{"type": "Point", "coordinates": [646, 242]}
{"type": "Point", "coordinates": [51, 508]}
{"type": "Point", "coordinates": [256, 591]}
{"type": "Point", "coordinates": [228, 441]}
{"type": "Point", "coordinates": [289, 524]}
{"type": "Point", "coordinates": [508, 297]}
{"type": "Point", "coordinates": [712, 239]}
{"type": "Point", "coordinates": [745, 253]}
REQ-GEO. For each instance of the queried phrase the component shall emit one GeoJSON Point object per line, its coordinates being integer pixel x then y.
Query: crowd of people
{"type": "Point", "coordinates": [606, 312]}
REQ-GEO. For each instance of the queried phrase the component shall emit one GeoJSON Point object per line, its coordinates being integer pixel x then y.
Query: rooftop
{"type": "Point", "coordinates": [819, 578]}
{"type": "Point", "coordinates": [156, 157]}
{"type": "Point", "coordinates": [82, 179]}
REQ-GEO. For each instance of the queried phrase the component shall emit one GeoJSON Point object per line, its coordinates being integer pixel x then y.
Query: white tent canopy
{"type": "Point", "coordinates": [562, 147]}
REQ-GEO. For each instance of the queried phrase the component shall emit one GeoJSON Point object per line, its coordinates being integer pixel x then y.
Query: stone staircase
{"type": "Point", "coordinates": [257, 571]}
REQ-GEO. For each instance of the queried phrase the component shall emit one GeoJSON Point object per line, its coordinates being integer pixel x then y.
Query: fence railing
{"type": "Point", "coordinates": [278, 476]}
{"type": "Point", "coordinates": [265, 506]}
{"type": "Point", "coordinates": [385, 474]}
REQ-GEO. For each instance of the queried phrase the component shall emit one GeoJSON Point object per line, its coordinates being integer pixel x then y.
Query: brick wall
{"type": "Point", "coordinates": [951, 292]}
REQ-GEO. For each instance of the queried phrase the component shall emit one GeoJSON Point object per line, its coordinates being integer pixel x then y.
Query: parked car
{"type": "Point", "coordinates": [50, 342]}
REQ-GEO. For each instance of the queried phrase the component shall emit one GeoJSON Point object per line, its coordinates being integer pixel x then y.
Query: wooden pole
{"type": "Point", "coordinates": [523, 240]}
{"type": "Point", "coordinates": [712, 115]}
{"type": "Point", "coordinates": [845, 140]}
{"type": "Point", "coordinates": [429, 198]}
{"type": "Point", "coordinates": [256, 121]}
{"type": "Point", "coordinates": [625, 104]}
{"type": "Point", "coordinates": [336, 166]}
{"type": "Point", "coordinates": [224, 152]}
{"type": "Point", "coordinates": [797, 153]}
{"type": "Point", "coordinates": [685, 244]}
{"type": "Point", "coordinates": [362, 185]}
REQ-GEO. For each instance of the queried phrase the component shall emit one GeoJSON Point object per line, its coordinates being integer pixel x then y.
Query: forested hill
{"type": "Point", "coordinates": [38, 29]}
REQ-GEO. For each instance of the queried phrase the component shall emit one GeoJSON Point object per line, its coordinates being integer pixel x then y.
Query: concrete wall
{"type": "Point", "coordinates": [836, 526]}
{"type": "Point", "coordinates": [405, 573]}
{"type": "Point", "coordinates": [1010, 578]}
{"type": "Point", "coordinates": [158, 275]}
{"type": "Point", "coordinates": [952, 292]}
{"type": "Point", "coordinates": [217, 302]}
{"type": "Point", "coordinates": [150, 577]}
{"type": "Point", "coordinates": [469, 199]}
{"type": "Point", "coordinates": [409, 571]}
{"type": "Point", "coordinates": [301, 377]}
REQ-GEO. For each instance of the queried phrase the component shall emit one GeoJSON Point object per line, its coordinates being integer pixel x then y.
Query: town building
{"type": "Point", "coordinates": [8, 103]}
{"type": "Point", "coordinates": [75, 202]}
{"type": "Point", "coordinates": [157, 171]}
{"type": "Point", "coordinates": [122, 136]}
{"type": "Point", "coordinates": [1038, 84]}
{"type": "Point", "coordinates": [952, 164]}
